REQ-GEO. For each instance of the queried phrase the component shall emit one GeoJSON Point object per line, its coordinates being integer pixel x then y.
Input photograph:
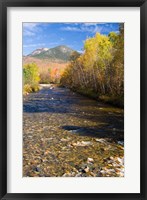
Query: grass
{"type": "Point", "coordinates": [113, 100]}
{"type": "Point", "coordinates": [88, 93]}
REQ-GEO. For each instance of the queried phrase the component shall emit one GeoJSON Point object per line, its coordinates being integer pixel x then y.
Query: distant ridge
{"type": "Point", "coordinates": [61, 52]}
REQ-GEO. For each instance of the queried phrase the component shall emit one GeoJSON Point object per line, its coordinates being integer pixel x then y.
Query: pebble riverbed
{"type": "Point", "coordinates": [69, 135]}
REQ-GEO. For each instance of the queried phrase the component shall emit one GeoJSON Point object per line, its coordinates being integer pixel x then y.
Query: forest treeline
{"type": "Point", "coordinates": [32, 76]}
{"type": "Point", "coordinates": [99, 71]}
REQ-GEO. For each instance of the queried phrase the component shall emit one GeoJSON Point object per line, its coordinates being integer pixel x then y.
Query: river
{"type": "Point", "coordinates": [69, 135]}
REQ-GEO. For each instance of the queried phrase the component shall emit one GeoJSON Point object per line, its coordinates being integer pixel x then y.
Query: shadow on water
{"type": "Point", "coordinates": [58, 101]}
{"type": "Point", "coordinates": [63, 101]}
{"type": "Point", "coordinates": [97, 132]}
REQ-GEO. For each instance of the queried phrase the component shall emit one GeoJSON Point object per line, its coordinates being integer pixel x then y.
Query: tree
{"type": "Point", "coordinates": [100, 69]}
{"type": "Point", "coordinates": [75, 55]}
{"type": "Point", "coordinates": [31, 78]}
{"type": "Point", "coordinates": [31, 74]}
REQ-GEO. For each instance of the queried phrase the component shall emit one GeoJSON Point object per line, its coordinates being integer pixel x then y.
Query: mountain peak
{"type": "Point", "coordinates": [38, 51]}
{"type": "Point", "coordinates": [61, 52]}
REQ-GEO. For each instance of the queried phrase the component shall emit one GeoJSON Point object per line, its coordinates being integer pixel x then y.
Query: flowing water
{"type": "Point", "coordinates": [66, 134]}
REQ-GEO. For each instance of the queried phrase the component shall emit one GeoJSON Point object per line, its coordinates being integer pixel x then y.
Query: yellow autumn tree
{"type": "Point", "coordinates": [99, 71]}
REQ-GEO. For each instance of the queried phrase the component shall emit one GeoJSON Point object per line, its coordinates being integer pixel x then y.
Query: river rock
{"type": "Point", "coordinates": [90, 160]}
{"type": "Point", "coordinates": [82, 144]}
{"type": "Point", "coordinates": [121, 143]}
{"type": "Point", "coordinates": [65, 139]}
{"type": "Point", "coordinates": [78, 175]}
{"type": "Point", "coordinates": [101, 141]}
{"type": "Point", "coordinates": [111, 158]}
{"type": "Point", "coordinates": [37, 169]}
{"type": "Point", "coordinates": [66, 175]}
{"type": "Point", "coordinates": [86, 169]}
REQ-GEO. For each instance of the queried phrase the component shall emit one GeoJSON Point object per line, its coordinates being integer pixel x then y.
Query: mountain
{"type": "Point", "coordinates": [38, 51]}
{"type": "Point", "coordinates": [61, 53]}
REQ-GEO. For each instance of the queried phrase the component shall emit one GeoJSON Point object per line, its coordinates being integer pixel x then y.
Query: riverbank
{"type": "Point", "coordinates": [112, 100]}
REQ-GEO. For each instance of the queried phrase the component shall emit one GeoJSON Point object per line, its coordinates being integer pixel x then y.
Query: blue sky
{"type": "Point", "coordinates": [49, 35]}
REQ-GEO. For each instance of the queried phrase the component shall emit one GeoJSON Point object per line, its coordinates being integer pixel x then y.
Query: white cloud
{"type": "Point", "coordinates": [70, 28]}
{"type": "Point", "coordinates": [28, 33]}
{"type": "Point", "coordinates": [72, 23]}
{"type": "Point", "coordinates": [84, 27]}
{"type": "Point", "coordinates": [30, 25]}
{"type": "Point", "coordinates": [33, 45]}
{"type": "Point", "coordinates": [97, 29]}
{"type": "Point", "coordinates": [30, 29]}
{"type": "Point", "coordinates": [90, 24]}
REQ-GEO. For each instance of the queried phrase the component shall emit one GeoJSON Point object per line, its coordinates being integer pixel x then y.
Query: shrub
{"type": "Point", "coordinates": [27, 89]}
{"type": "Point", "coordinates": [35, 88]}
